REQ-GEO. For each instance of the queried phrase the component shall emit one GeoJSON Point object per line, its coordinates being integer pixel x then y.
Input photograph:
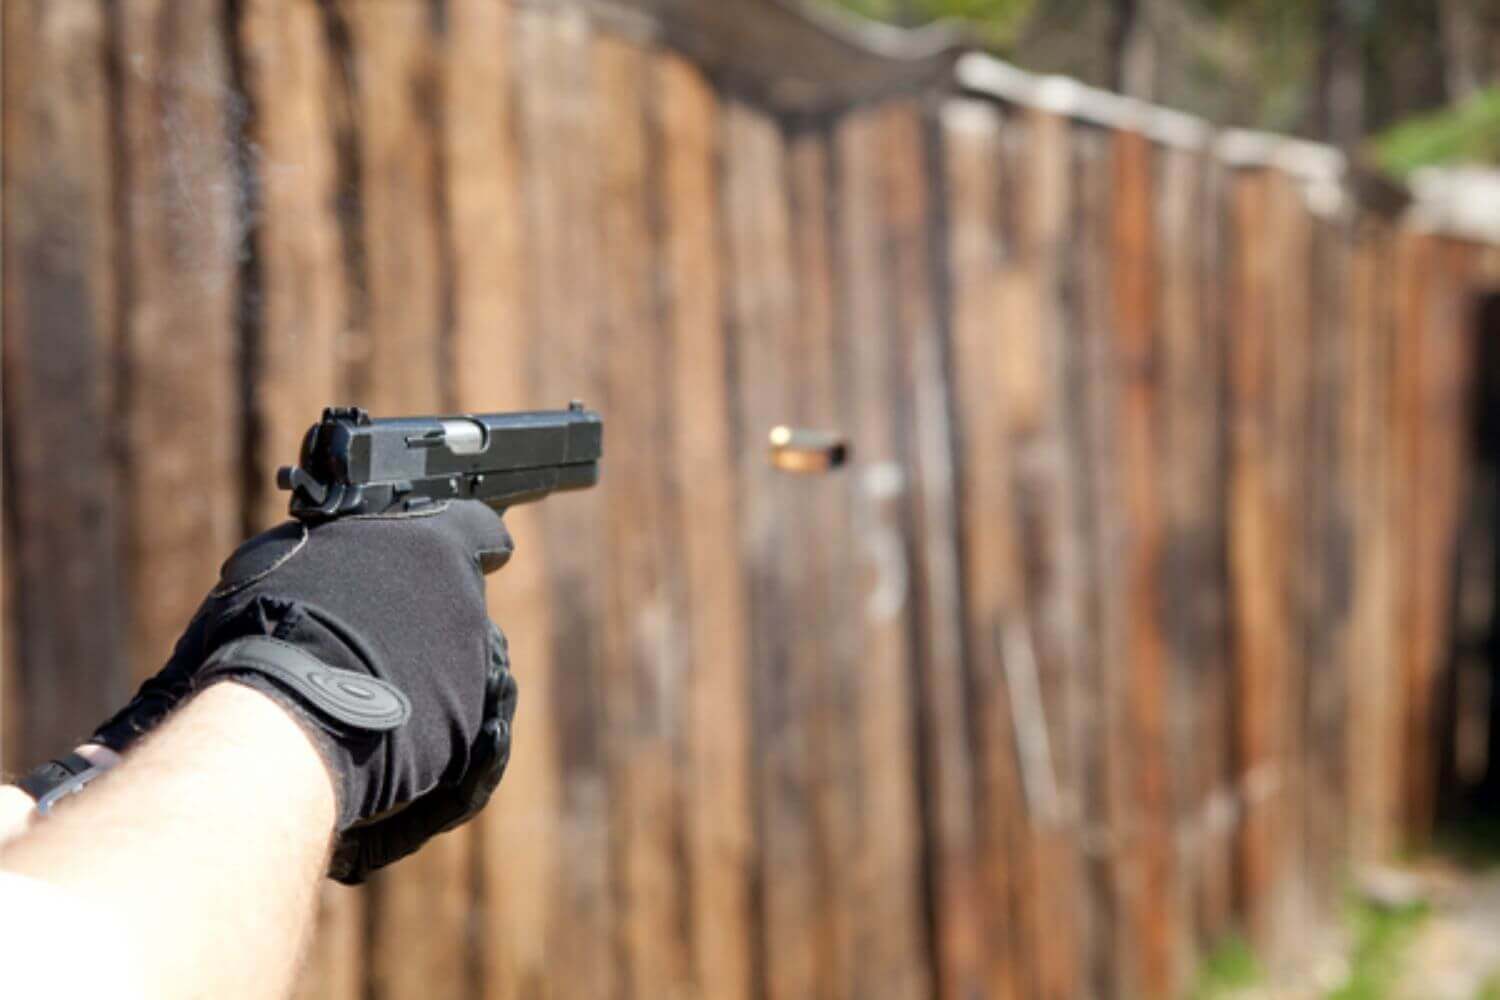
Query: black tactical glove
{"type": "Point", "coordinates": [372, 632]}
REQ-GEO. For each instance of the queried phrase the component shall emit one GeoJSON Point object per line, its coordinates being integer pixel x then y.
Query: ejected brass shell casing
{"type": "Point", "coordinates": [803, 451]}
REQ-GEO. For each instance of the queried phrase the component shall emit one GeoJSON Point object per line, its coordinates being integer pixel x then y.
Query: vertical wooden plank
{"type": "Point", "coordinates": [1434, 347]}
{"type": "Point", "coordinates": [1191, 350]}
{"type": "Point", "coordinates": [560, 180]}
{"type": "Point", "coordinates": [181, 243]}
{"type": "Point", "coordinates": [1372, 749]}
{"type": "Point", "coordinates": [1217, 773]}
{"type": "Point", "coordinates": [888, 933]}
{"type": "Point", "coordinates": [1263, 643]}
{"type": "Point", "coordinates": [644, 656]}
{"type": "Point", "coordinates": [1148, 872]}
{"type": "Point", "coordinates": [1452, 409]}
{"type": "Point", "coordinates": [927, 444]}
{"type": "Point", "coordinates": [1329, 505]}
{"type": "Point", "coordinates": [1289, 229]}
{"type": "Point", "coordinates": [1046, 415]}
{"type": "Point", "coordinates": [763, 307]}
{"type": "Point", "coordinates": [300, 310]}
{"type": "Point", "coordinates": [719, 834]}
{"type": "Point", "coordinates": [302, 299]}
{"type": "Point", "coordinates": [492, 337]}
{"type": "Point", "coordinates": [1044, 646]}
{"type": "Point", "coordinates": [419, 924]}
{"type": "Point", "coordinates": [822, 636]}
{"type": "Point", "coordinates": [1412, 281]}
{"type": "Point", "coordinates": [1177, 180]}
{"type": "Point", "coordinates": [1093, 384]}
{"type": "Point", "coordinates": [60, 326]}
{"type": "Point", "coordinates": [976, 251]}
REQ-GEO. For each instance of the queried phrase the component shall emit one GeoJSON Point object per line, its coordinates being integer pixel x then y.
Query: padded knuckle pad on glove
{"type": "Point", "coordinates": [354, 699]}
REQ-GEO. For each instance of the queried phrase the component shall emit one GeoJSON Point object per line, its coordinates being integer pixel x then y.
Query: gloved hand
{"type": "Point", "coordinates": [372, 632]}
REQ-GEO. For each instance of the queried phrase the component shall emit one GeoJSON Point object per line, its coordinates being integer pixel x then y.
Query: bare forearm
{"type": "Point", "coordinates": [16, 811]}
{"type": "Point", "coordinates": [206, 847]}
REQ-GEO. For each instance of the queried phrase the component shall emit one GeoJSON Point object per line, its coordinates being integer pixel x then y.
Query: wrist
{"type": "Point", "coordinates": [51, 783]}
{"type": "Point", "coordinates": [312, 736]}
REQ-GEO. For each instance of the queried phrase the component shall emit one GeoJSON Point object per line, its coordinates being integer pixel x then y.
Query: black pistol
{"type": "Point", "coordinates": [351, 464]}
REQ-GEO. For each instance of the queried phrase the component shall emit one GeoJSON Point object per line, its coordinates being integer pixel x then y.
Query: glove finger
{"type": "Point", "coordinates": [492, 755]}
{"type": "Point", "coordinates": [483, 533]}
{"type": "Point", "coordinates": [370, 848]}
{"type": "Point", "coordinates": [157, 697]}
{"type": "Point", "coordinates": [500, 686]}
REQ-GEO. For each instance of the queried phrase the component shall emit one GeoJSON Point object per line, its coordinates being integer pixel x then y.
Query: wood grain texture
{"type": "Point", "coordinates": [1413, 264]}
{"type": "Point", "coordinates": [565, 294]}
{"type": "Point", "coordinates": [181, 390]}
{"type": "Point", "coordinates": [1045, 647]}
{"type": "Point", "coordinates": [518, 857]}
{"type": "Point", "coordinates": [1329, 504]}
{"type": "Point", "coordinates": [1128, 619]}
{"type": "Point", "coordinates": [986, 518]}
{"type": "Point", "coordinates": [1189, 221]}
{"type": "Point", "coordinates": [1434, 350]}
{"type": "Point", "coordinates": [823, 639]}
{"type": "Point", "coordinates": [720, 837]}
{"type": "Point", "coordinates": [301, 307]}
{"type": "Point", "coordinates": [1372, 752]}
{"type": "Point", "coordinates": [888, 933]}
{"type": "Point", "coordinates": [1290, 314]}
{"type": "Point", "coordinates": [927, 443]}
{"type": "Point", "coordinates": [645, 657]}
{"type": "Point", "coordinates": [763, 315]}
{"type": "Point", "coordinates": [1263, 642]}
{"type": "Point", "coordinates": [1148, 877]}
{"type": "Point", "coordinates": [419, 924]}
{"type": "Point", "coordinates": [1093, 384]}
{"type": "Point", "coordinates": [61, 287]}
{"type": "Point", "coordinates": [1218, 802]}
{"type": "Point", "coordinates": [298, 314]}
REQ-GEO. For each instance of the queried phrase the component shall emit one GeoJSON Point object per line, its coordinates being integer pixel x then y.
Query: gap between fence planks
{"type": "Point", "coordinates": [719, 837]}
{"type": "Point", "coordinates": [299, 315]}
{"type": "Point", "coordinates": [400, 120]}
{"type": "Point", "coordinates": [64, 528]}
{"type": "Point", "coordinates": [897, 731]}
{"type": "Point", "coordinates": [885, 862]}
{"type": "Point", "coordinates": [562, 360]}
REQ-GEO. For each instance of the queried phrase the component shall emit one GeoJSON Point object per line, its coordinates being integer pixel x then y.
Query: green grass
{"type": "Point", "coordinates": [1228, 969]}
{"type": "Point", "coordinates": [1490, 988]}
{"type": "Point", "coordinates": [1381, 936]}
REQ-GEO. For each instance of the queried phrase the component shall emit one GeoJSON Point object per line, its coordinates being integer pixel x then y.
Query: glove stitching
{"type": "Point", "coordinates": [402, 515]}
{"type": "Point", "coordinates": [228, 589]}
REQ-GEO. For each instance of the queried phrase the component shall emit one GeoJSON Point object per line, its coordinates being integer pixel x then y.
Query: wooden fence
{"type": "Point", "coordinates": [1123, 630]}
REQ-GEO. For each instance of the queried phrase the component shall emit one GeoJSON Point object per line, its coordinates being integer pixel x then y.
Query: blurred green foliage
{"type": "Point", "coordinates": [1229, 970]}
{"type": "Point", "coordinates": [1382, 935]}
{"type": "Point", "coordinates": [1469, 132]}
{"type": "Point", "coordinates": [1379, 937]}
{"type": "Point", "coordinates": [1285, 65]}
{"type": "Point", "coordinates": [995, 21]}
